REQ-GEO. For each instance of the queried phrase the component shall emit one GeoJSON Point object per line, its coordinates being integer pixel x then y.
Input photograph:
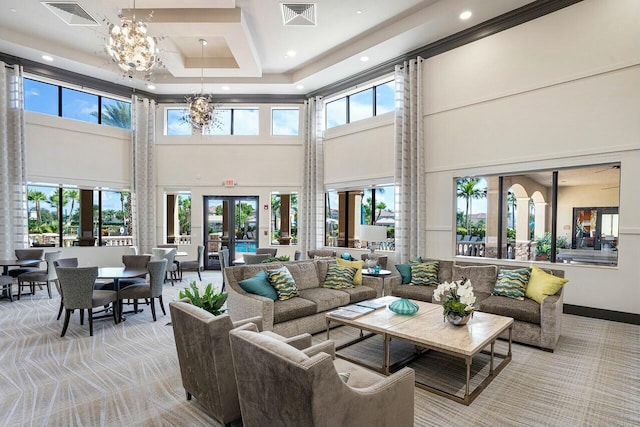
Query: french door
{"type": "Point", "coordinates": [232, 222]}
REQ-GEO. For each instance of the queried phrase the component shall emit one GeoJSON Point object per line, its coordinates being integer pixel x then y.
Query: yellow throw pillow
{"type": "Point", "coordinates": [542, 284]}
{"type": "Point", "coordinates": [357, 280]}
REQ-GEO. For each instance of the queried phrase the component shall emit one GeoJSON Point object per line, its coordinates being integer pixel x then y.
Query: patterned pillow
{"type": "Point", "coordinates": [425, 274]}
{"type": "Point", "coordinates": [282, 281]}
{"type": "Point", "coordinates": [344, 376]}
{"type": "Point", "coordinates": [357, 280]}
{"type": "Point", "coordinates": [512, 283]}
{"type": "Point", "coordinates": [339, 276]}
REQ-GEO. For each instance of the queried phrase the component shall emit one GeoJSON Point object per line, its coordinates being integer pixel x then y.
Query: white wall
{"type": "Point", "coordinates": [558, 91]}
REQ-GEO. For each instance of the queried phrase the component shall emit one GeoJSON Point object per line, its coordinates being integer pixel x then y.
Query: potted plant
{"type": "Point", "coordinates": [458, 299]}
{"type": "Point", "coordinates": [209, 301]}
{"type": "Point", "coordinates": [543, 246]}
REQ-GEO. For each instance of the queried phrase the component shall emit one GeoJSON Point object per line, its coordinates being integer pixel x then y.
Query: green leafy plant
{"type": "Point", "coordinates": [457, 298]}
{"type": "Point", "coordinates": [209, 301]}
{"type": "Point", "coordinates": [543, 245]}
{"type": "Point", "coordinates": [277, 258]}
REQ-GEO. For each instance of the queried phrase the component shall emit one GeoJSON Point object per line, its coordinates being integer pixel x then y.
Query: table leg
{"type": "Point", "coordinates": [510, 330]}
{"type": "Point", "coordinates": [468, 361]}
{"type": "Point", "coordinates": [491, 363]}
{"type": "Point", "coordinates": [328, 329]}
{"type": "Point", "coordinates": [386, 354]}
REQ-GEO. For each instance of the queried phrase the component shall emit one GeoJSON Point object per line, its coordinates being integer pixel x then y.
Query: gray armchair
{"type": "Point", "coordinates": [151, 290]}
{"type": "Point", "coordinates": [77, 288]}
{"type": "Point", "coordinates": [279, 385]}
{"type": "Point", "coordinates": [270, 251]}
{"type": "Point", "coordinates": [204, 354]}
{"type": "Point", "coordinates": [255, 258]}
{"type": "Point", "coordinates": [31, 278]}
{"type": "Point", "coordinates": [196, 265]}
{"type": "Point", "coordinates": [321, 253]}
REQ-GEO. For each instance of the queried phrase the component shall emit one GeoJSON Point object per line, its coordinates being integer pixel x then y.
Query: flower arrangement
{"type": "Point", "coordinates": [458, 298]}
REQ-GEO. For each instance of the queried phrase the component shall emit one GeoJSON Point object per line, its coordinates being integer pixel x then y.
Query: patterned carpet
{"type": "Point", "coordinates": [127, 374]}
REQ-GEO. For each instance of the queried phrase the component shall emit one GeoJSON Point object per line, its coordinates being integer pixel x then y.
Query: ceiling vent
{"type": "Point", "coordinates": [71, 13]}
{"type": "Point", "coordinates": [295, 14]}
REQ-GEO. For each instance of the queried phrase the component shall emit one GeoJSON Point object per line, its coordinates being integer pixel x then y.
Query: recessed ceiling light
{"type": "Point", "coordinates": [225, 87]}
{"type": "Point", "coordinates": [299, 87]}
{"type": "Point", "coordinates": [291, 53]}
{"type": "Point", "coordinates": [47, 58]}
{"type": "Point", "coordinates": [364, 58]}
{"type": "Point", "coordinates": [358, 12]}
{"type": "Point", "coordinates": [151, 87]}
{"type": "Point", "coordinates": [13, 10]}
{"type": "Point", "coordinates": [465, 15]}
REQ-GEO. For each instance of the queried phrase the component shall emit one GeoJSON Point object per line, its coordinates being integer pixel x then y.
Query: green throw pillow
{"type": "Point", "coordinates": [259, 285]}
{"type": "Point", "coordinates": [405, 270]}
{"type": "Point", "coordinates": [425, 274]}
{"type": "Point", "coordinates": [282, 280]}
{"type": "Point", "coordinates": [339, 276]}
{"type": "Point", "coordinates": [512, 283]}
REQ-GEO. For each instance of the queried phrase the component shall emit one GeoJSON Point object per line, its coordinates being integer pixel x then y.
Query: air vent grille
{"type": "Point", "coordinates": [71, 13]}
{"type": "Point", "coordinates": [294, 14]}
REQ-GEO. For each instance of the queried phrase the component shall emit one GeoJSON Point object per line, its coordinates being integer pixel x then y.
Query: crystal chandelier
{"type": "Point", "coordinates": [130, 47]}
{"type": "Point", "coordinates": [200, 114]}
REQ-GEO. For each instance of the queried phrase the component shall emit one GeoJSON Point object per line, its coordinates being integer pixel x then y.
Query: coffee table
{"type": "Point", "coordinates": [426, 329]}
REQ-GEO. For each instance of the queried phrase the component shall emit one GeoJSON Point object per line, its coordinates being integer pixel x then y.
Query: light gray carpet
{"type": "Point", "coordinates": [127, 374]}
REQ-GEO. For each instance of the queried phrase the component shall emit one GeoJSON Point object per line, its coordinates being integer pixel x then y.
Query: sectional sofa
{"type": "Point", "coordinates": [534, 324]}
{"type": "Point", "coordinates": [304, 313]}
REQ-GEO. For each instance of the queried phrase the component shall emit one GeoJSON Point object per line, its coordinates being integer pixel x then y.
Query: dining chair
{"type": "Point", "coordinates": [271, 251]}
{"type": "Point", "coordinates": [31, 278]}
{"type": "Point", "coordinates": [27, 254]}
{"type": "Point", "coordinates": [6, 283]}
{"type": "Point", "coordinates": [194, 265]}
{"type": "Point", "coordinates": [63, 262]}
{"type": "Point", "coordinates": [223, 256]}
{"type": "Point", "coordinates": [134, 261]}
{"type": "Point", "coordinates": [77, 288]}
{"type": "Point", "coordinates": [150, 290]}
{"type": "Point", "coordinates": [169, 254]}
{"type": "Point", "coordinates": [255, 258]}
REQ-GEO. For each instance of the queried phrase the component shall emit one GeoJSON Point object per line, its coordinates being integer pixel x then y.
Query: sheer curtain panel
{"type": "Point", "coordinates": [312, 200]}
{"type": "Point", "coordinates": [14, 226]}
{"type": "Point", "coordinates": [409, 162]}
{"type": "Point", "coordinates": [143, 196]}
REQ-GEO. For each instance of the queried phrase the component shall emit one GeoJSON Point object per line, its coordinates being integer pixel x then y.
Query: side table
{"type": "Point", "coordinates": [383, 274]}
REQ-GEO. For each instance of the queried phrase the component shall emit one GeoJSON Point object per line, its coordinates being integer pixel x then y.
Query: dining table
{"type": "Point", "coordinates": [118, 273]}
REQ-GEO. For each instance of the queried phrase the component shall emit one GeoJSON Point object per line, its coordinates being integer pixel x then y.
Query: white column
{"type": "Point", "coordinates": [540, 215]}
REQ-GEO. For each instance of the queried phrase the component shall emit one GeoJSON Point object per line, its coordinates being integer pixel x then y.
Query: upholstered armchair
{"type": "Point", "coordinates": [270, 251]}
{"type": "Point", "coordinates": [255, 258]}
{"type": "Point", "coordinates": [204, 353]}
{"type": "Point", "coordinates": [325, 253]}
{"type": "Point", "coordinates": [279, 385]}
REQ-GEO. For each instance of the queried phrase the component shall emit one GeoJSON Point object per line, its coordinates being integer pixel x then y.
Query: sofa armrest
{"type": "Point", "coordinates": [375, 283]}
{"type": "Point", "coordinates": [255, 320]}
{"type": "Point", "coordinates": [242, 305]}
{"type": "Point", "coordinates": [300, 342]}
{"type": "Point", "coordinates": [328, 347]}
{"type": "Point", "coordinates": [551, 320]}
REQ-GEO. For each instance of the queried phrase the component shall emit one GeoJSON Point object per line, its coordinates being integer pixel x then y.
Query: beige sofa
{"type": "Point", "coordinates": [534, 324]}
{"type": "Point", "coordinates": [305, 313]}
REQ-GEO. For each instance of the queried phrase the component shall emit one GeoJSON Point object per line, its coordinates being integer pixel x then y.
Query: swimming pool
{"type": "Point", "coordinates": [249, 246]}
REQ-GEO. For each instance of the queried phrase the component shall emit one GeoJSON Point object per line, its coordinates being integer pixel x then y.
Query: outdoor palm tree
{"type": "Point", "coordinates": [36, 197]}
{"type": "Point", "coordinates": [468, 190]}
{"type": "Point", "coordinates": [118, 114]}
{"type": "Point", "coordinates": [72, 196]}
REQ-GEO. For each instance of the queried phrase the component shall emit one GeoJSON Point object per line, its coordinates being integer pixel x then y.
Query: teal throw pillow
{"type": "Point", "coordinates": [339, 276]}
{"type": "Point", "coordinates": [512, 283]}
{"type": "Point", "coordinates": [282, 280]}
{"type": "Point", "coordinates": [405, 270]}
{"type": "Point", "coordinates": [425, 274]}
{"type": "Point", "coordinates": [259, 285]}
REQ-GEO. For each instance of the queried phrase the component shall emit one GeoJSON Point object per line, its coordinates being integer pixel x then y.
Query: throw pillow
{"type": "Point", "coordinates": [425, 274]}
{"type": "Point", "coordinates": [323, 257]}
{"type": "Point", "coordinates": [344, 376]}
{"type": "Point", "coordinates": [405, 270]}
{"type": "Point", "coordinates": [282, 280]}
{"type": "Point", "coordinates": [339, 276]}
{"type": "Point", "coordinates": [482, 278]}
{"type": "Point", "coordinates": [511, 283]}
{"type": "Point", "coordinates": [357, 280]}
{"type": "Point", "coordinates": [541, 284]}
{"type": "Point", "coordinates": [259, 285]}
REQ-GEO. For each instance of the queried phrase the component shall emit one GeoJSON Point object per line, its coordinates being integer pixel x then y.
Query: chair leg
{"type": "Point", "coordinates": [67, 315]}
{"type": "Point", "coordinates": [49, 289]}
{"type": "Point", "coordinates": [162, 305]}
{"type": "Point", "coordinates": [153, 309]}
{"type": "Point", "coordinates": [199, 276]}
{"type": "Point", "coordinates": [60, 310]}
{"type": "Point", "coordinates": [188, 395]}
{"type": "Point", "coordinates": [82, 316]}
{"type": "Point", "coordinates": [90, 315]}
{"type": "Point", "coordinates": [135, 305]}
{"type": "Point", "coordinates": [19, 290]}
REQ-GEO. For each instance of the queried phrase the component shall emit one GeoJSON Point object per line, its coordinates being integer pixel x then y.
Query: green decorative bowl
{"type": "Point", "coordinates": [404, 306]}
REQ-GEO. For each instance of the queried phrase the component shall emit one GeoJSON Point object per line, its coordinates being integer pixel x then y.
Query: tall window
{"type": "Point", "coordinates": [235, 121]}
{"type": "Point", "coordinates": [176, 123]}
{"type": "Point", "coordinates": [345, 211]}
{"type": "Point", "coordinates": [40, 97]}
{"type": "Point", "coordinates": [284, 219]}
{"type": "Point", "coordinates": [285, 121]}
{"type": "Point", "coordinates": [44, 218]}
{"type": "Point", "coordinates": [568, 215]}
{"type": "Point", "coordinates": [115, 212]}
{"type": "Point", "coordinates": [115, 113]}
{"type": "Point", "coordinates": [372, 101]}
{"type": "Point", "coordinates": [178, 217]}
{"type": "Point", "coordinates": [79, 105]}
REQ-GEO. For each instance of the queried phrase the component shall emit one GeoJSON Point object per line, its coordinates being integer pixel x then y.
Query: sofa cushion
{"type": "Point", "coordinates": [542, 284]}
{"type": "Point", "coordinates": [259, 285]}
{"type": "Point", "coordinates": [321, 268]}
{"type": "Point", "coordinates": [325, 299]}
{"type": "Point", "coordinates": [282, 281]}
{"type": "Point", "coordinates": [425, 273]}
{"type": "Point", "coordinates": [480, 296]}
{"type": "Point", "coordinates": [420, 293]}
{"type": "Point", "coordinates": [293, 308]}
{"type": "Point", "coordinates": [359, 293]}
{"type": "Point", "coordinates": [526, 311]}
{"type": "Point", "coordinates": [357, 279]}
{"type": "Point", "coordinates": [511, 283]}
{"type": "Point", "coordinates": [304, 273]}
{"type": "Point", "coordinates": [339, 276]}
{"type": "Point", "coordinates": [483, 278]}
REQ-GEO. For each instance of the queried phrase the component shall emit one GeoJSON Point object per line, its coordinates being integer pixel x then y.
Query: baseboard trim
{"type": "Point", "coordinates": [599, 313]}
